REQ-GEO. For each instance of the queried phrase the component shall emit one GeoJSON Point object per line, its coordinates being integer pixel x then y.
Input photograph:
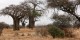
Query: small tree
{"type": "Point", "coordinates": [61, 21]}
{"type": "Point", "coordinates": [23, 21]}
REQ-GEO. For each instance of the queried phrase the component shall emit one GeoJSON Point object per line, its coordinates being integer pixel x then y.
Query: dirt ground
{"type": "Point", "coordinates": [28, 34]}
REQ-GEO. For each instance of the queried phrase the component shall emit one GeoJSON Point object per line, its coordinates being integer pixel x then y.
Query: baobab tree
{"type": "Point", "coordinates": [34, 12]}
{"type": "Point", "coordinates": [17, 12]}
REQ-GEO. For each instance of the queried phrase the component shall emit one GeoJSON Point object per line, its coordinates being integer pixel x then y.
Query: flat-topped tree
{"type": "Point", "coordinates": [16, 12]}
{"type": "Point", "coordinates": [62, 21]}
{"type": "Point", "coordinates": [66, 6]}
{"type": "Point", "coordinates": [34, 12]}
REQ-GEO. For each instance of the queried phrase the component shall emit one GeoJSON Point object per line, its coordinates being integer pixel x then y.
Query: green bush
{"type": "Point", "coordinates": [55, 32]}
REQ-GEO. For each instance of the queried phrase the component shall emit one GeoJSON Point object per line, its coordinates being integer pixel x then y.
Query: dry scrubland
{"type": "Point", "coordinates": [28, 34]}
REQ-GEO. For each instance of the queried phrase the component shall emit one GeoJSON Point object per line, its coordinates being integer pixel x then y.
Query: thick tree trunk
{"type": "Point", "coordinates": [31, 18]}
{"type": "Point", "coordinates": [16, 24]}
{"type": "Point", "coordinates": [31, 22]}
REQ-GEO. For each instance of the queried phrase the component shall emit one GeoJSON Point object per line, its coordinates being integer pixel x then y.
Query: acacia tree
{"type": "Point", "coordinates": [17, 12]}
{"type": "Point", "coordinates": [62, 21]}
{"type": "Point", "coordinates": [34, 12]}
{"type": "Point", "coordinates": [66, 6]}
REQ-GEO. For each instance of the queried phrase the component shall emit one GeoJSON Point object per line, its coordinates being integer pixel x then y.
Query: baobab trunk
{"type": "Point", "coordinates": [31, 22]}
{"type": "Point", "coordinates": [16, 24]}
{"type": "Point", "coordinates": [31, 18]}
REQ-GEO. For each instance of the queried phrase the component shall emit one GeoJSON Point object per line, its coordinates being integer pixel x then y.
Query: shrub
{"type": "Point", "coordinates": [4, 25]}
{"type": "Point", "coordinates": [68, 32]}
{"type": "Point", "coordinates": [56, 32]}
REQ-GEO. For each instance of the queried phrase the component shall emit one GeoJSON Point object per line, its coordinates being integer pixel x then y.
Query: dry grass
{"type": "Point", "coordinates": [23, 34]}
{"type": "Point", "coordinates": [28, 34]}
{"type": "Point", "coordinates": [42, 31]}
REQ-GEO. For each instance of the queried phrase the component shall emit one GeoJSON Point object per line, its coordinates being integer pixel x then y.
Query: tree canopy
{"type": "Point", "coordinates": [17, 12]}
{"type": "Point", "coordinates": [66, 6]}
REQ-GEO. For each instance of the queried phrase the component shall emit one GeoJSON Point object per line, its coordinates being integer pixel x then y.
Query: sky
{"type": "Point", "coordinates": [4, 3]}
{"type": "Point", "coordinates": [44, 20]}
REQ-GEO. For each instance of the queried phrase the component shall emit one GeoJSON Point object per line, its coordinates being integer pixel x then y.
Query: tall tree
{"type": "Point", "coordinates": [34, 13]}
{"type": "Point", "coordinates": [17, 12]}
{"type": "Point", "coordinates": [66, 6]}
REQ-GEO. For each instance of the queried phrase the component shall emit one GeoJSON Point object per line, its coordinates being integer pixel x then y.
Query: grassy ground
{"type": "Point", "coordinates": [28, 34]}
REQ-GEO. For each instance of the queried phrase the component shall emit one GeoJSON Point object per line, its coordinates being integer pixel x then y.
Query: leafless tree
{"type": "Point", "coordinates": [17, 12]}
